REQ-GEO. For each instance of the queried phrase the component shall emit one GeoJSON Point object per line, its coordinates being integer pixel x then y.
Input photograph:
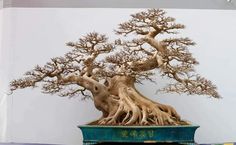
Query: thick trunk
{"type": "Point", "coordinates": [126, 106]}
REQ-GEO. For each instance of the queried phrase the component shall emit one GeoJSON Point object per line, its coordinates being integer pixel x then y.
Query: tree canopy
{"type": "Point", "coordinates": [137, 56]}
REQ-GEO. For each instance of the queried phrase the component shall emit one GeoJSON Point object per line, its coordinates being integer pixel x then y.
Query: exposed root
{"type": "Point", "coordinates": [134, 109]}
{"type": "Point", "coordinates": [124, 105]}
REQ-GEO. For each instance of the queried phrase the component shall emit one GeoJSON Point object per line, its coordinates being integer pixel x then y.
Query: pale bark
{"type": "Point", "coordinates": [126, 106]}
{"type": "Point", "coordinates": [80, 71]}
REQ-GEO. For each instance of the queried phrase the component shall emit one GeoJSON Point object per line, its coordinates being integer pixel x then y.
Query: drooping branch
{"type": "Point", "coordinates": [194, 85]}
{"type": "Point", "coordinates": [178, 64]}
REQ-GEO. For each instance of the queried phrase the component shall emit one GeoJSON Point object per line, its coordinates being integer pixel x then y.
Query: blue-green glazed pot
{"type": "Point", "coordinates": [93, 134]}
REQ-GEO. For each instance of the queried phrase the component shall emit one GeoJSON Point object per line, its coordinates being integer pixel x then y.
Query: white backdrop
{"type": "Point", "coordinates": [3, 82]}
{"type": "Point", "coordinates": [33, 36]}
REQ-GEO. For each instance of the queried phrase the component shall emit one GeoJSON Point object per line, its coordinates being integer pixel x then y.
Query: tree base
{"type": "Point", "coordinates": [181, 134]}
{"type": "Point", "coordinates": [96, 122]}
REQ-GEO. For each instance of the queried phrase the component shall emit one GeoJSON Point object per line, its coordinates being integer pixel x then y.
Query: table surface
{"type": "Point", "coordinates": [228, 143]}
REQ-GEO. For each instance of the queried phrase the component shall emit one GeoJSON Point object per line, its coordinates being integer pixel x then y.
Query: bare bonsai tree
{"type": "Point", "coordinates": [107, 72]}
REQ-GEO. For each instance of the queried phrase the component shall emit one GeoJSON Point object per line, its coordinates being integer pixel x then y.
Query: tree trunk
{"type": "Point", "coordinates": [126, 106]}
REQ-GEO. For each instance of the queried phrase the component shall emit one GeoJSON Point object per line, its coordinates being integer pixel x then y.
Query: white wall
{"type": "Point", "coordinates": [3, 81]}
{"type": "Point", "coordinates": [36, 35]}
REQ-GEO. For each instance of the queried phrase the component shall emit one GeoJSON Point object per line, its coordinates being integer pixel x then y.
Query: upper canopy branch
{"type": "Point", "coordinates": [135, 46]}
{"type": "Point", "coordinates": [93, 44]}
{"type": "Point", "coordinates": [152, 22]}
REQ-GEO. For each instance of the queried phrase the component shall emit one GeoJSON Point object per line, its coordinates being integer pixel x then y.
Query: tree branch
{"type": "Point", "coordinates": [150, 22]}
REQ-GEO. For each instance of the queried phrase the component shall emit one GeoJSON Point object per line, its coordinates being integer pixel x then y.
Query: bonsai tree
{"type": "Point", "coordinates": [107, 71]}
